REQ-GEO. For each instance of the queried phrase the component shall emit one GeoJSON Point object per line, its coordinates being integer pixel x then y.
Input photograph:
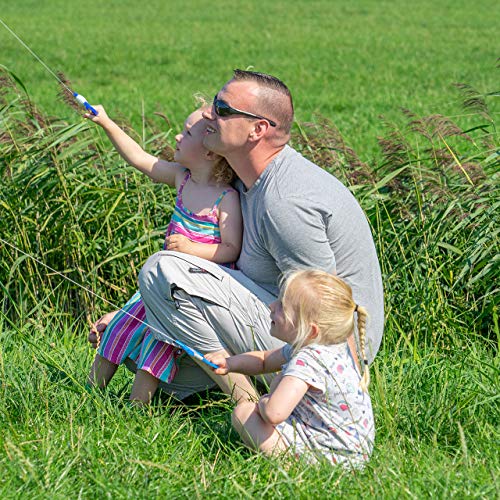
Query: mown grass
{"type": "Point", "coordinates": [350, 62]}
{"type": "Point", "coordinates": [431, 195]}
{"type": "Point", "coordinates": [437, 424]}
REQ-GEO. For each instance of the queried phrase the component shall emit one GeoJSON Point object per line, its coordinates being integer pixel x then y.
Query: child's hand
{"type": "Point", "coordinates": [180, 243]}
{"type": "Point", "coordinates": [261, 405]}
{"type": "Point", "coordinates": [219, 359]}
{"type": "Point", "coordinates": [101, 118]}
{"type": "Point", "coordinates": [97, 329]}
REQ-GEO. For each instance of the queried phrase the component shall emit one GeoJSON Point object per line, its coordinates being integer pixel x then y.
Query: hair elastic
{"type": "Point", "coordinates": [356, 308]}
{"type": "Point", "coordinates": [365, 362]}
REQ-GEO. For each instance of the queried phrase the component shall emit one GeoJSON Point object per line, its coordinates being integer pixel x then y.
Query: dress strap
{"type": "Point", "coordinates": [183, 183]}
{"type": "Point", "coordinates": [219, 199]}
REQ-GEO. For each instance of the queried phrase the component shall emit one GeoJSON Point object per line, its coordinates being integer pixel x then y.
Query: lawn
{"type": "Point", "coordinates": [427, 179]}
{"type": "Point", "coordinates": [350, 62]}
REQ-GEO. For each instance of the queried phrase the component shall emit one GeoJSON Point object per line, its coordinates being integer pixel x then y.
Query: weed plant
{"type": "Point", "coordinates": [431, 196]}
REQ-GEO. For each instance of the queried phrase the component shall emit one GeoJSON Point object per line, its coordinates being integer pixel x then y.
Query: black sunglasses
{"type": "Point", "coordinates": [222, 108]}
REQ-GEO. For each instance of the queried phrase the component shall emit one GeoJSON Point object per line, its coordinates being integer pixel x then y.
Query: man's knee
{"type": "Point", "coordinates": [155, 276]}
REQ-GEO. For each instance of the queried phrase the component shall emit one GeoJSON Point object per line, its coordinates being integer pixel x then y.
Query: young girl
{"type": "Point", "coordinates": [206, 222]}
{"type": "Point", "coordinates": [318, 404]}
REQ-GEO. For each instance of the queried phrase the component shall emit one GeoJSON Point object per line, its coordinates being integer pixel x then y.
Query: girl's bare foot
{"type": "Point", "coordinates": [97, 329]}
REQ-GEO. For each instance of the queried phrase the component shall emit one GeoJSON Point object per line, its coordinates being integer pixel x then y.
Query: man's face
{"type": "Point", "coordinates": [227, 134]}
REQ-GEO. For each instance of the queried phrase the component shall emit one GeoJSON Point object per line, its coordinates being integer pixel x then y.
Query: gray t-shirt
{"type": "Point", "coordinates": [297, 216]}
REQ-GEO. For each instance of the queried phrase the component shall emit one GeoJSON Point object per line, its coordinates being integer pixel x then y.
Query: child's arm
{"type": "Point", "coordinates": [248, 363]}
{"type": "Point", "coordinates": [276, 407]}
{"type": "Point", "coordinates": [158, 170]}
{"type": "Point", "coordinates": [231, 229]}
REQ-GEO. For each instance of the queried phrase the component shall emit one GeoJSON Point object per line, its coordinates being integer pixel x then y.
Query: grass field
{"type": "Point", "coordinates": [349, 62]}
{"type": "Point", "coordinates": [428, 184]}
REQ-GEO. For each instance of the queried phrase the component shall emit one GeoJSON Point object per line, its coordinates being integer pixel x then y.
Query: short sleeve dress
{"type": "Point", "coordinates": [335, 417]}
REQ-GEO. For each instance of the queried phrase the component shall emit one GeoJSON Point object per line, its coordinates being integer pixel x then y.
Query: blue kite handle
{"type": "Point", "coordinates": [85, 103]}
{"type": "Point", "coordinates": [195, 354]}
{"type": "Point", "coordinates": [91, 109]}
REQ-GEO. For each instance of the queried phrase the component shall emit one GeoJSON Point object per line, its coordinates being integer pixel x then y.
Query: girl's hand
{"type": "Point", "coordinates": [219, 359]}
{"type": "Point", "coordinates": [97, 329]}
{"type": "Point", "coordinates": [101, 119]}
{"type": "Point", "coordinates": [261, 405]}
{"type": "Point", "coordinates": [180, 243]}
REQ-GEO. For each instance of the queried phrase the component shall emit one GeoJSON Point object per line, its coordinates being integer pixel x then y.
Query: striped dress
{"type": "Point", "coordinates": [127, 335]}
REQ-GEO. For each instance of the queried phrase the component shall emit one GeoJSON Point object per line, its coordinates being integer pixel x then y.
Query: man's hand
{"type": "Point", "coordinates": [97, 329]}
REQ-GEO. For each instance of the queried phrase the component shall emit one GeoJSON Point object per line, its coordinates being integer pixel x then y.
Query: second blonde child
{"type": "Point", "coordinates": [318, 405]}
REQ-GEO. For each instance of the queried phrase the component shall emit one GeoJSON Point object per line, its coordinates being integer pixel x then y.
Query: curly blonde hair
{"type": "Point", "coordinates": [313, 296]}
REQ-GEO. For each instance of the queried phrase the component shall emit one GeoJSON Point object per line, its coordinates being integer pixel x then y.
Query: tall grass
{"type": "Point", "coordinates": [431, 197]}
{"type": "Point", "coordinates": [67, 200]}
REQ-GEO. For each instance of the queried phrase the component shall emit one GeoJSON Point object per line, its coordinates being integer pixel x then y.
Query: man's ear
{"type": "Point", "coordinates": [259, 129]}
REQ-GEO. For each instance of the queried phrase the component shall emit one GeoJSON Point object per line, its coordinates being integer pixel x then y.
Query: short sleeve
{"type": "Point", "coordinates": [287, 351]}
{"type": "Point", "coordinates": [297, 236]}
{"type": "Point", "coordinates": [305, 366]}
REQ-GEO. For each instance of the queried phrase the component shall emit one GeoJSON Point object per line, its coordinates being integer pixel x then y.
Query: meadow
{"type": "Point", "coordinates": [426, 174]}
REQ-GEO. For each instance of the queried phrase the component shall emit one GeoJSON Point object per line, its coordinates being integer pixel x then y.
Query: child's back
{"type": "Point", "coordinates": [335, 416]}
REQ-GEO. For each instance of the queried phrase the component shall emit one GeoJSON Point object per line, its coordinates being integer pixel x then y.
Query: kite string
{"type": "Point", "coordinates": [78, 97]}
{"type": "Point", "coordinates": [35, 56]}
{"type": "Point", "coordinates": [88, 290]}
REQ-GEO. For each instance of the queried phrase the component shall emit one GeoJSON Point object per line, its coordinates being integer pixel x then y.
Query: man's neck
{"type": "Point", "coordinates": [249, 166]}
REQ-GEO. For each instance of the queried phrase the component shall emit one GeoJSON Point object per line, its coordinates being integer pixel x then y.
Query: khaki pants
{"type": "Point", "coordinates": [207, 307]}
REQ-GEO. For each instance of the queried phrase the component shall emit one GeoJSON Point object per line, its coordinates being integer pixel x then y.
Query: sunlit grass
{"type": "Point", "coordinates": [350, 62]}
{"type": "Point", "coordinates": [430, 194]}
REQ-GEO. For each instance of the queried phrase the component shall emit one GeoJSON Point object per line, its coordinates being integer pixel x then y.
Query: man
{"type": "Point", "coordinates": [295, 215]}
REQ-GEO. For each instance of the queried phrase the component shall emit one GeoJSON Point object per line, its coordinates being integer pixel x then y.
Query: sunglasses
{"type": "Point", "coordinates": [222, 108]}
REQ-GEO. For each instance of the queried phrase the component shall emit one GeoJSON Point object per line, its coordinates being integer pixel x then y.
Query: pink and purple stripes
{"type": "Point", "coordinates": [128, 336]}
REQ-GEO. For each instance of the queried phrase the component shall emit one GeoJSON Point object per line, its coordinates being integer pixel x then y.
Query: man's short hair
{"type": "Point", "coordinates": [278, 107]}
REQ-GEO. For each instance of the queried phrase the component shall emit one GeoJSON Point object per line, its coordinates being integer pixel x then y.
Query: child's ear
{"type": "Point", "coordinates": [314, 332]}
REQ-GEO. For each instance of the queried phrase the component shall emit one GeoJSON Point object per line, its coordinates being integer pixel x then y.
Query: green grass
{"type": "Point", "coordinates": [349, 62]}
{"type": "Point", "coordinates": [428, 184]}
{"type": "Point", "coordinates": [437, 421]}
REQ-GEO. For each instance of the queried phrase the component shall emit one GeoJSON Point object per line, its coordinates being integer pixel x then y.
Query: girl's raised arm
{"type": "Point", "coordinates": [158, 170]}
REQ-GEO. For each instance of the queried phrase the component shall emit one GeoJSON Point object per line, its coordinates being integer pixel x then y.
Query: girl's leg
{"type": "Point", "coordinates": [121, 332]}
{"type": "Point", "coordinates": [144, 387]}
{"type": "Point", "coordinates": [255, 432]}
{"type": "Point", "coordinates": [101, 372]}
{"type": "Point", "coordinates": [236, 385]}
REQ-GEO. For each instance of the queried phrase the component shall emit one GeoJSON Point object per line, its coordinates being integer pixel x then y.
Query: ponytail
{"type": "Point", "coordinates": [362, 317]}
